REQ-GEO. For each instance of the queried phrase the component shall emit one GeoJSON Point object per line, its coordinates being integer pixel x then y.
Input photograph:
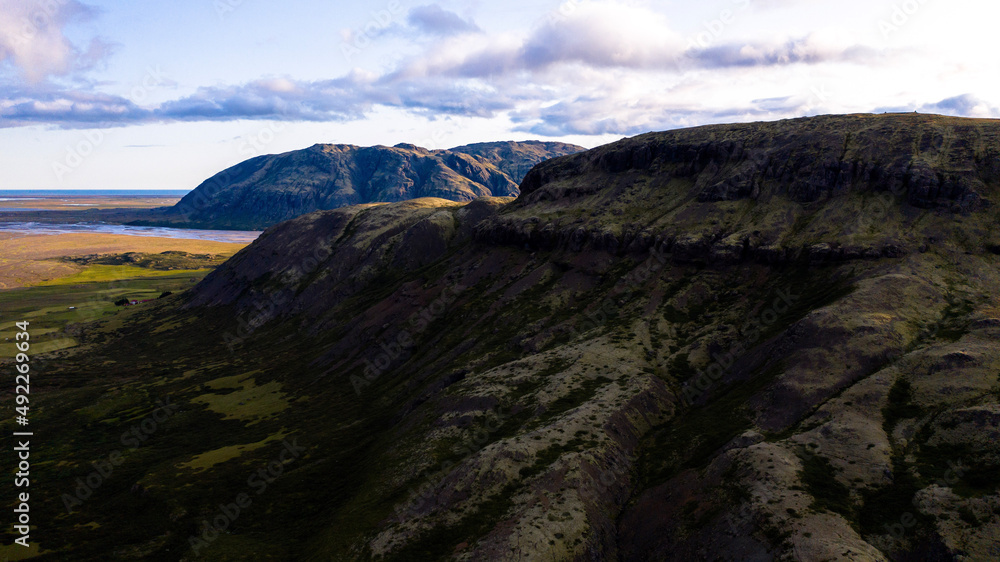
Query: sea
{"type": "Point", "coordinates": [27, 227]}
{"type": "Point", "coordinates": [242, 236]}
{"type": "Point", "coordinates": [36, 193]}
{"type": "Point", "coordinates": [20, 195]}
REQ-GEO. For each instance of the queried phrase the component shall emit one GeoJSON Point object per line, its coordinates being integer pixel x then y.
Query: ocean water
{"type": "Point", "coordinates": [36, 193]}
{"type": "Point", "coordinates": [244, 236]}
{"type": "Point", "coordinates": [35, 228]}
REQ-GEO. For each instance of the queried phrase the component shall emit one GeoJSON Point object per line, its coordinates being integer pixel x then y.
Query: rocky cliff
{"type": "Point", "coordinates": [269, 189]}
{"type": "Point", "coordinates": [772, 341]}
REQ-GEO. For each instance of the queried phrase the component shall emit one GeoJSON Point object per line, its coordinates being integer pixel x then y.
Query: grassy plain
{"type": "Point", "coordinates": [27, 260]}
{"type": "Point", "coordinates": [52, 309]}
{"type": "Point", "coordinates": [56, 281]}
{"type": "Point", "coordinates": [79, 203]}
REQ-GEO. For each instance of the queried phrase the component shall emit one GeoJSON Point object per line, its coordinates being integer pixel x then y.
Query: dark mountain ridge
{"type": "Point", "coordinates": [931, 158]}
{"type": "Point", "coordinates": [269, 189]}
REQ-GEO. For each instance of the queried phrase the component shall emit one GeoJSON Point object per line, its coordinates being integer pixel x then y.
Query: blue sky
{"type": "Point", "coordinates": [102, 94]}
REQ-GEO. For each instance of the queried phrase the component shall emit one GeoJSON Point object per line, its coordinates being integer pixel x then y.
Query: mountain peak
{"type": "Point", "coordinates": [269, 189]}
{"type": "Point", "coordinates": [408, 146]}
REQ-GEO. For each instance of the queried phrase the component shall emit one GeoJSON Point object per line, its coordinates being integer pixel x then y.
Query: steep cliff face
{"type": "Point", "coordinates": [872, 177]}
{"type": "Point", "coordinates": [936, 161]}
{"type": "Point", "coordinates": [269, 189]}
{"type": "Point", "coordinates": [612, 366]}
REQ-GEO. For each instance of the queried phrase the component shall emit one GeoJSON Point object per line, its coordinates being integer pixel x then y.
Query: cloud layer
{"type": "Point", "coordinates": [599, 68]}
{"type": "Point", "coordinates": [434, 20]}
{"type": "Point", "coordinates": [33, 42]}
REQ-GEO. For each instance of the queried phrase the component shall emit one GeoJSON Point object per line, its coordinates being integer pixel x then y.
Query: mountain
{"type": "Point", "coordinates": [741, 342]}
{"type": "Point", "coordinates": [516, 159]}
{"type": "Point", "coordinates": [269, 189]}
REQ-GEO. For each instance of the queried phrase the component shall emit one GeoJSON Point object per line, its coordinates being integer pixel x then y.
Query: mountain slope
{"type": "Point", "coordinates": [269, 189]}
{"type": "Point", "coordinates": [698, 344]}
{"type": "Point", "coordinates": [516, 159]}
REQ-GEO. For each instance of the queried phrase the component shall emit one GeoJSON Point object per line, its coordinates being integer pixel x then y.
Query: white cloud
{"type": "Point", "coordinates": [32, 38]}
{"type": "Point", "coordinates": [435, 20]}
{"type": "Point", "coordinates": [601, 68]}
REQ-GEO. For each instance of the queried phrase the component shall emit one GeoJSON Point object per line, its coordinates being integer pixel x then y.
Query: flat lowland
{"type": "Point", "coordinates": [27, 260]}
{"type": "Point", "coordinates": [56, 281]}
{"type": "Point", "coordinates": [112, 209]}
{"type": "Point", "coordinates": [83, 202]}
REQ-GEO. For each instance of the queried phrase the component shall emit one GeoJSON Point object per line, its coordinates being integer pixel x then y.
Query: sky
{"type": "Point", "coordinates": [101, 94]}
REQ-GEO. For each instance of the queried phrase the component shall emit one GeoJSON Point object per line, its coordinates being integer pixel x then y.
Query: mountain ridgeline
{"type": "Point", "coordinates": [269, 189]}
{"type": "Point", "coordinates": [765, 341]}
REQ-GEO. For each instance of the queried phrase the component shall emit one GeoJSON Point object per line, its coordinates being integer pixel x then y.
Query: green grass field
{"type": "Point", "coordinates": [56, 305]}
{"type": "Point", "coordinates": [113, 273]}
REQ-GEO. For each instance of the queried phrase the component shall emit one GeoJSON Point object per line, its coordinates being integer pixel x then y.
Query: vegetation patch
{"type": "Point", "coordinates": [959, 467]}
{"type": "Point", "coordinates": [165, 261]}
{"type": "Point", "coordinates": [955, 322]}
{"type": "Point", "coordinates": [439, 543]}
{"type": "Point", "coordinates": [900, 405]}
{"type": "Point", "coordinates": [885, 507]}
{"type": "Point", "coordinates": [211, 458]}
{"type": "Point", "coordinates": [550, 454]}
{"type": "Point", "coordinates": [579, 395]}
{"type": "Point", "coordinates": [106, 273]}
{"type": "Point", "coordinates": [829, 494]}
{"type": "Point", "coordinates": [248, 402]}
